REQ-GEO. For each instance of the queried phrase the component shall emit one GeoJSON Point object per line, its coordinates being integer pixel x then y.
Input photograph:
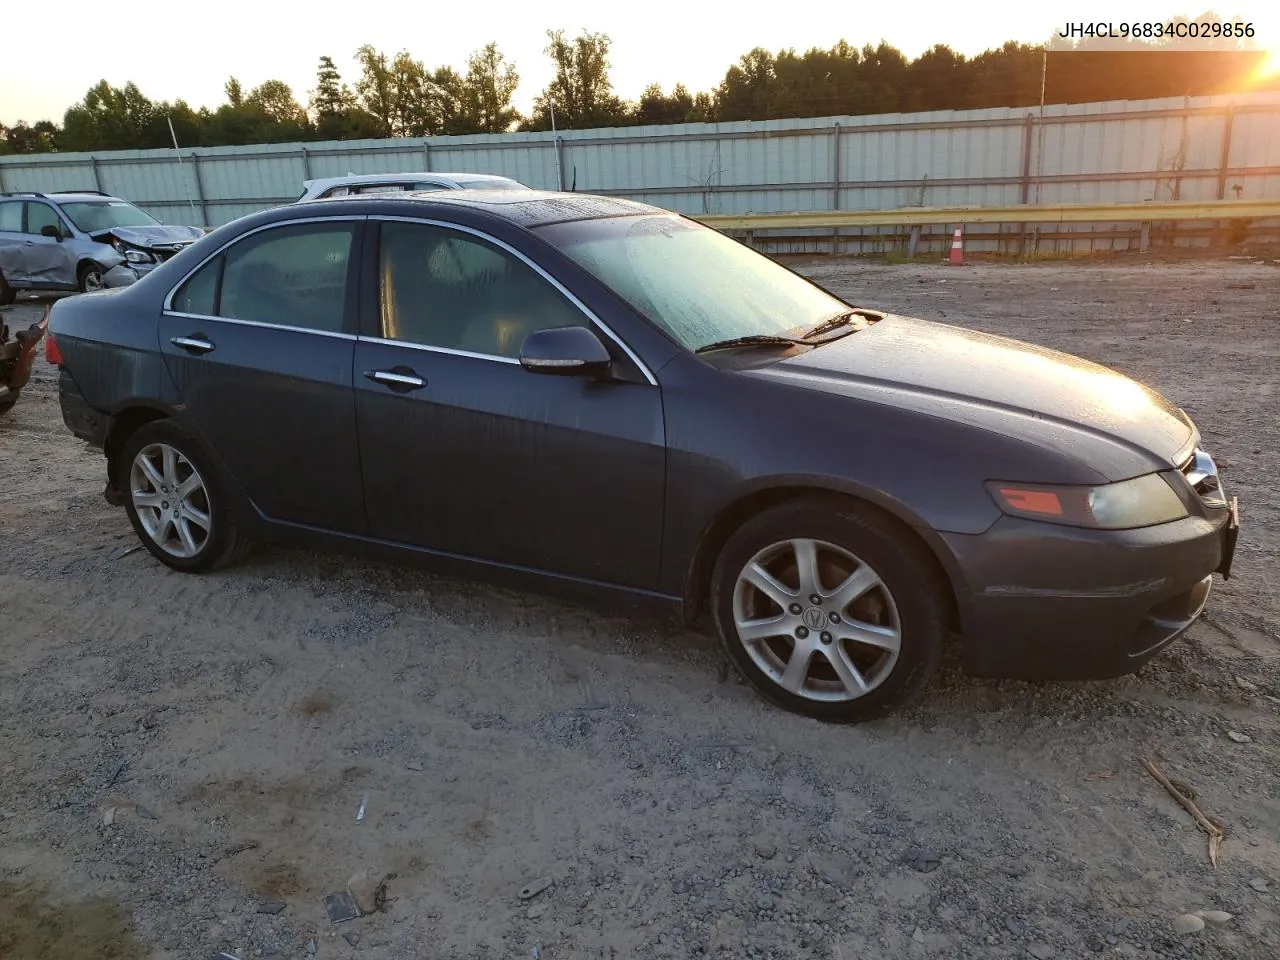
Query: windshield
{"type": "Point", "coordinates": [497, 183]}
{"type": "Point", "coordinates": [695, 283]}
{"type": "Point", "coordinates": [92, 216]}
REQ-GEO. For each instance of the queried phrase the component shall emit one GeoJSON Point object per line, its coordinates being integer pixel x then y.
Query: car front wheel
{"type": "Point", "coordinates": [830, 608]}
{"type": "Point", "coordinates": [174, 500]}
{"type": "Point", "coordinates": [91, 278]}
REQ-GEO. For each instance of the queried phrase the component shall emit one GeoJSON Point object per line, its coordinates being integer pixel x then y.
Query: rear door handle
{"type": "Point", "coordinates": [401, 379]}
{"type": "Point", "coordinates": [196, 344]}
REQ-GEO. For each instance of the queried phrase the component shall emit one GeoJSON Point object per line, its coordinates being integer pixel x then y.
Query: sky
{"type": "Point", "coordinates": [186, 51]}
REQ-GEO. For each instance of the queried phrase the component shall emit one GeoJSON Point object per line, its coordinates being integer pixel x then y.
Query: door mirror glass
{"type": "Point", "coordinates": [50, 230]}
{"type": "Point", "coordinates": [565, 351]}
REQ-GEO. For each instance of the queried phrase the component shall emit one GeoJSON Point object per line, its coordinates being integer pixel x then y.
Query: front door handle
{"type": "Point", "coordinates": [196, 344]}
{"type": "Point", "coordinates": [400, 379]}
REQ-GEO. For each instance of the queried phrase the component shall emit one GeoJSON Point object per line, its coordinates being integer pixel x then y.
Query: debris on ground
{"type": "Point", "coordinates": [1239, 737]}
{"type": "Point", "coordinates": [531, 890]}
{"type": "Point", "coordinates": [1187, 923]}
{"type": "Point", "coordinates": [341, 907]}
{"type": "Point", "coordinates": [1214, 916]}
{"type": "Point", "coordinates": [1186, 798]}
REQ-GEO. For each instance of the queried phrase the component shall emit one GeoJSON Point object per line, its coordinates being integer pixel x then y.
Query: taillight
{"type": "Point", "coordinates": [51, 351]}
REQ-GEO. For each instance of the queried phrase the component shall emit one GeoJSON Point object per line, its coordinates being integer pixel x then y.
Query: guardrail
{"type": "Point", "coordinates": [1142, 212]}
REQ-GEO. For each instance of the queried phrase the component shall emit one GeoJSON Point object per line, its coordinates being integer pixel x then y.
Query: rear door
{"type": "Point", "coordinates": [259, 342]}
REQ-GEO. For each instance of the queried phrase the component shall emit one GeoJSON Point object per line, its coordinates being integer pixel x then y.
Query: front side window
{"type": "Point", "coordinates": [293, 276]}
{"type": "Point", "coordinates": [41, 215]}
{"type": "Point", "coordinates": [93, 216]}
{"type": "Point", "coordinates": [443, 288]}
{"type": "Point", "coordinates": [696, 284]}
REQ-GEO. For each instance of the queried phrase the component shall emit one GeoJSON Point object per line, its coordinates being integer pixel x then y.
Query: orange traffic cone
{"type": "Point", "coordinates": [957, 246]}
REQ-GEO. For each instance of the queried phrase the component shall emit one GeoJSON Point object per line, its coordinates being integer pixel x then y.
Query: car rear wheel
{"type": "Point", "coordinates": [7, 293]}
{"type": "Point", "coordinates": [830, 608]}
{"type": "Point", "coordinates": [91, 277]}
{"type": "Point", "coordinates": [174, 499]}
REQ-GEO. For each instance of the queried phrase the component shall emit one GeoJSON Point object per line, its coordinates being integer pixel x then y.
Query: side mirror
{"type": "Point", "coordinates": [568, 351]}
{"type": "Point", "coordinates": [51, 230]}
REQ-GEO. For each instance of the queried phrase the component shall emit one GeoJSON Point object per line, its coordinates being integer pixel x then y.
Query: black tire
{"type": "Point", "coordinates": [911, 586]}
{"type": "Point", "coordinates": [7, 293]}
{"type": "Point", "coordinates": [86, 274]}
{"type": "Point", "coordinates": [223, 543]}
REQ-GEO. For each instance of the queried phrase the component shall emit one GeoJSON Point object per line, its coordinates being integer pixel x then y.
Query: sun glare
{"type": "Point", "coordinates": [1268, 68]}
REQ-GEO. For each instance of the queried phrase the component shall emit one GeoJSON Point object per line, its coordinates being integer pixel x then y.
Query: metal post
{"type": "Point", "coordinates": [2, 178]}
{"type": "Point", "coordinates": [1024, 191]}
{"type": "Point", "coordinates": [559, 147]}
{"type": "Point", "coordinates": [1144, 241]}
{"type": "Point", "coordinates": [1028, 132]}
{"type": "Point", "coordinates": [835, 185]}
{"type": "Point", "coordinates": [426, 156]}
{"type": "Point", "coordinates": [306, 164]}
{"type": "Point", "coordinates": [97, 177]}
{"type": "Point", "coordinates": [1225, 160]}
{"type": "Point", "coordinates": [204, 205]}
{"type": "Point", "coordinates": [914, 243]}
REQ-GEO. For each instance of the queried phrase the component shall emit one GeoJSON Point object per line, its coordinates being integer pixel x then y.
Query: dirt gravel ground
{"type": "Point", "coordinates": [182, 758]}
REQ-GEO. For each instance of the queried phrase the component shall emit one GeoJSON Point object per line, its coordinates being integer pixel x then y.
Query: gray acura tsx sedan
{"type": "Point", "coordinates": [596, 395]}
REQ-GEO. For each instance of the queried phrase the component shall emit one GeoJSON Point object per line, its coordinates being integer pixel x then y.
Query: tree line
{"type": "Point", "coordinates": [398, 96]}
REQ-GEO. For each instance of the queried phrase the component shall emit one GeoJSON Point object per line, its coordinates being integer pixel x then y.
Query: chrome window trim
{"type": "Point", "coordinates": [337, 335]}
{"type": "Point", "coordinates": [564, 291]}
{"type": "Point", "coordinates": [448, 351]}
{"type": "Point", "coordinates": [167, 306]}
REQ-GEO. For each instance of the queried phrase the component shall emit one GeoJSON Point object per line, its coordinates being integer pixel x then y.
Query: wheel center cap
{"type": "Point", "coordinates": [813, 618]}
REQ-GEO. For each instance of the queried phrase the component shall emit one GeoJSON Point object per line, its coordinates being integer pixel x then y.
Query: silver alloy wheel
{"type": "Point", "coordinates": [93, 280]}
{"type": "Point", "coordinates": [817, 620]}
{"type": "Point", "coordinates": [171, 501]}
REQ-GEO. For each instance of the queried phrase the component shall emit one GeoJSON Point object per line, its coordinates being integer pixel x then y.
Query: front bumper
{"type": "Point", "coordinates": [1058, 603]}
{"type": "Point", "coordinates": [127, 274]}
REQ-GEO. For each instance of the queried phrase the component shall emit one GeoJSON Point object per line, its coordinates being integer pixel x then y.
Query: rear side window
{"type": "Point", "coordinates": [293, 276]}
{"type": "Point", "coordinates": [199, 295]}
{"type": "Point", "coordinates": [11, 216]}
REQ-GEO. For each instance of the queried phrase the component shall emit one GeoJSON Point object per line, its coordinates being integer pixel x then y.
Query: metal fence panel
{"type": "Point", "coordinates": [1119, 151]}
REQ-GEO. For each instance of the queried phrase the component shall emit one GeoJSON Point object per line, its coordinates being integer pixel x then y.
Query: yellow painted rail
{"type": "Point", "coordinates": [1141, 212]}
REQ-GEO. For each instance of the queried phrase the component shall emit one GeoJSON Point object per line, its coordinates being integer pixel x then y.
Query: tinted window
{"type": "Point", "coordinates": [292, 276]}
{"type": "Point", "coordinates": [199, 294]}
{"type": "Point", "coordinates": [443, 288]}
{"type": "Point", "coordinates": [11, 216]}
{"type": "Point", "coordinates": [41, 215]}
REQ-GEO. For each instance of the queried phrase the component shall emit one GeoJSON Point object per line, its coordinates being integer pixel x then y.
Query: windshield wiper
{"type": "Point", "coordinates": [753, 340]}
{"type": "Point", "coordinates": [843, 319]}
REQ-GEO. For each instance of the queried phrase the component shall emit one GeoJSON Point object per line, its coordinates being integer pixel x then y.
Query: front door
{"type": "Point", "coordinates": [467, 453]}
{"type": "Point", "coordinates": [259, 343]}
{"type": "Point", "coordinates": [47, 261]}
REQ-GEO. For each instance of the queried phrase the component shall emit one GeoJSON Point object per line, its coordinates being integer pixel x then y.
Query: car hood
{"type": "Point", "coordinates": [159, 237]}
{"type": "Point", "coordinates": [1096, 415]}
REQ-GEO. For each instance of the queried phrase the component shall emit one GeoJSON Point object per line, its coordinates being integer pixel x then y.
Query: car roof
{"type": "Point", "coordinates": [402, 176]}
{"type": "Point", "coordinates": [526, 208]}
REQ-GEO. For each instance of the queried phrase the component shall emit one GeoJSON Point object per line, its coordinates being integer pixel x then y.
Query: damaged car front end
{"type": "Point", "coordinates": [17, 354]}
{"type": "Point", "coordinates": [144, 249]}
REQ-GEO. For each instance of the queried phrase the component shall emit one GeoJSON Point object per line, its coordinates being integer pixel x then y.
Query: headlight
{"type": "Point", "coordinates": [138, 256]}
{"type": "Point", "coordinates": [1140, 502]}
